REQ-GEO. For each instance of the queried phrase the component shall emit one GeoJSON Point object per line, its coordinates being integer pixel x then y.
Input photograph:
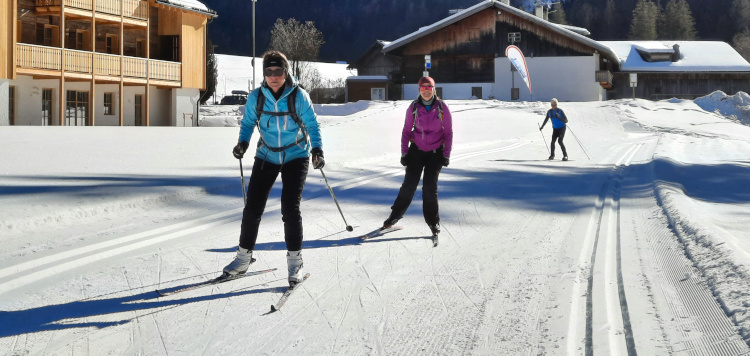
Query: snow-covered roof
{"type": "Point", "coordinates": [562, 30]}
{"type": "Point", "coordinates": [695, 56]}
{"type": "Point", "coordinates": [193, 5]}
{"type": "Point", "coordinates": [367, 78]}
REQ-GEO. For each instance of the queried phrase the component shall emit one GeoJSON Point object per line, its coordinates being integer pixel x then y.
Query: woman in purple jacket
{"type": "Point", "coordinates": [429, 129]}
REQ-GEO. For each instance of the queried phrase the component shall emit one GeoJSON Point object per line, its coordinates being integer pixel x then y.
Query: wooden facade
{"type": "Point", "coordinates": [682, 85]}
{"type": "Point", "coordinates": [147, 43]}
{"type": "Point", "coordinates": [376, 63]}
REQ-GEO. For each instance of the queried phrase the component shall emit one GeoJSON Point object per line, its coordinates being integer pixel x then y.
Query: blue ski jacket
{"type": "Point", "coordinates": [279, 131]}
{"type": "Point", "coordinates": [557, 116]}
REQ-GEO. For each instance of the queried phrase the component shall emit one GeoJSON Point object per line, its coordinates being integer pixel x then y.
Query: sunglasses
{"type": "Point", "coordinates": [426, 87]}
{"type": "Point", "coordinates": [268, 72]}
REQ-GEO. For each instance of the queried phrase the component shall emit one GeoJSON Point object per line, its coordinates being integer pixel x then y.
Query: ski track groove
{"type": "Point", "coordinates": [608, 202]}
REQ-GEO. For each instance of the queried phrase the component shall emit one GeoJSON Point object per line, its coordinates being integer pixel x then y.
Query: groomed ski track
{"type": "Point", "coordinates": [593, 268]}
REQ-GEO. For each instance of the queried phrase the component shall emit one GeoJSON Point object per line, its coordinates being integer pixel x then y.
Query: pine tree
{"type": "Point", "coordinates": [677, 22]}
{"type": "Point", "coordinates": [645, 18]}
{"type": "Point", "coordinates": [557, 15]}
{"type": "Point", "coordinates": [610, 18]}
{"type": "Point", "coordinates": [211, 70]}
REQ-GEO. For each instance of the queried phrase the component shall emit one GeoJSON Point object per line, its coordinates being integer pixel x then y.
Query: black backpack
{"type": "Point", "coordinates": [291, 104]}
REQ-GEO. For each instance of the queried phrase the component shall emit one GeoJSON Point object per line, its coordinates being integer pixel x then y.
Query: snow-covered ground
{"type": "Point", "coordinates": [638, 244]}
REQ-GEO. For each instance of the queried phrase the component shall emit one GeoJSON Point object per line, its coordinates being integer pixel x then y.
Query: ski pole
{"type": "Point", "coordinates": [579, 142]}
{"type": "Point", "coordinates": [348, 227]}
{"type": "Point", "coordinates": [242, 176]}
{"type": "Point", "coordinates": [545, 140]}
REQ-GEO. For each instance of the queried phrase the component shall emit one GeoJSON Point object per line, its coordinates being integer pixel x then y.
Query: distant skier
{"type": "Point", "coordinates": [283, 113]}
{"type": "Point", "coordinates": [558, 128]}
{"type": "Point", "coordinates": [429, 128]}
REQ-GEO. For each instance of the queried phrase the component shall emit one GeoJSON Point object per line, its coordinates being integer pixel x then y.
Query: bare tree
{"type": "Point", "coordinates": [300, 42]}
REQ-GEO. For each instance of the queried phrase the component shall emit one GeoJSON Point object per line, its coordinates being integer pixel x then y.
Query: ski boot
{"type": "Point", "coordinates": [551, 157]}
{"type": "Point", "coordinates": [294, 265]}
{"type": "Point", "coordinates": [389, 223]}
{"type": "Point", "coordinates": [241, 262]}
{"type": "Point", "coordinates": [565, 158]}
{"type": "Point", "coordinates": [435, 231]}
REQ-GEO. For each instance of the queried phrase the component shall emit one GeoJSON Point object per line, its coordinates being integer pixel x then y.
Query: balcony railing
{"type": "Point", "coordinates": [162, 70]}
{"type": "Point", "coordinates": [38, 57]}
{"type": "Point", "coordinates": [130, 8]}
{"type": "Point", "coordinates": [48, 58]}
{"type": "Point", "coordinates": [107, 64]}
{"type": "Point", "coordinates": [77, 61]}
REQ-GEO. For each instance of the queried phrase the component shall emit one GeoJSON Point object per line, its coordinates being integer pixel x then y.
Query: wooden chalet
{"type": "Point", "coordinates": [468, 59]}
{"type": "Point", "coordinates": [102, 62]}
{"type": "Point", "coordinates": [378, 76]}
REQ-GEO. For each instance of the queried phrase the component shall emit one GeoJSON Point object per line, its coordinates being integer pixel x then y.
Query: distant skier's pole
{"type": "Point", "coordinates": [348, 227]}
{"type": "Point", "coordinates": [579, 142]}
{"type": "Point", "coordinates": [242, 176]}
{"type": "Point", "coordinates": [545, 140]}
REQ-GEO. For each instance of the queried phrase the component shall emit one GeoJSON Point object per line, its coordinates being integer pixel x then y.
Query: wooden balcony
{"type": "Point", "coordinates": [604, 77]}
{"type": "Point", "coordinates": [135, 9]}
{"type": "Point", "coordinates": [42, 61]}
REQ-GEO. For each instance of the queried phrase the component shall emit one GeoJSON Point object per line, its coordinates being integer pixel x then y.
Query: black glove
{"type": "Point", "coordinates": [541, 127]}
{"type": "Point", "coordinates": [446, 161]}
{"type": "Point", "coordinates": [403, 160]}
{"type": "Point", "coordinates": [317, 158]}
{"type": "Point", "coordinates": [240, 149]}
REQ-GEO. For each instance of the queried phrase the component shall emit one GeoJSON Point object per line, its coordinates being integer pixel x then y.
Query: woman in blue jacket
{"type": "Point", "coordinates": [558, 128]}
{"type": "Point", "coordinates": [289, 134]}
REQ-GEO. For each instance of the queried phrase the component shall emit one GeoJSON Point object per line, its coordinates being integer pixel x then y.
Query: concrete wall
{"type": "Point", "coordinates": [548, 80]}
{"type": "Point", "coordinates": [167, 106]}
{"type": "Point", "coordinates": [107, 120]}
{"type": "Point", "coordinates": [160, 107]}
{"type": "Point", "coordinates": [184, 107]}
{"type": "Point", "coordinates": [564, 78]}
{"type": "Point", "coordinates": [4, 118]}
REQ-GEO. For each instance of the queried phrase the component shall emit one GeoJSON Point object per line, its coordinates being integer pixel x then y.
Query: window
{"type": "Point", "coordinates": [77, 108]}
{"type": "Point", "coordinates": [108, 108]}
{"type": "Point", "coordinates": [47, 36]}
{"type": "Point", "coordinates": [12, 105]}
{"type": "Point", "coordinates": [377, 94]}
{"type": "Point", "coordinates": [79, 40]}
{"type": "Point", "coordinates": [46, 107]}
{"type": "Point", "coordinates": [140, 48]}
{"type": "Point", "coordinates": [51, 35]}
{"type": "Point", "coordinates": [138, 110]}
{"type": "Point", "coordinates": [112, 44]}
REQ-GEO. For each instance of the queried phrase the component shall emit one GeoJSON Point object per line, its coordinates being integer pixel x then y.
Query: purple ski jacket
{"type": "Point", "coordinates": [429, 131]}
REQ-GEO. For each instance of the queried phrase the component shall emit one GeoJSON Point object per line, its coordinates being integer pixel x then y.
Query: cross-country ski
{"type": "Point", "coordinates": [218, 280]}
{"type": "Point", "coordinates": [288, 293]}
{"type": "Point", "coordinates": [380, 232]}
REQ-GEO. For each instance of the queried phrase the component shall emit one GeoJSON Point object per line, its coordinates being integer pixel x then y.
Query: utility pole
{"type": "Point", "coordinates": [253, 60]}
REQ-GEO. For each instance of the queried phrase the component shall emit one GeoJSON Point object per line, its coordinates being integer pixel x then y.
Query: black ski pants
{"type": "Point", "coordinates": [558, 134]}
{"type": "Point", "coordinates": [293, 176]}
{"type": "Point", "coordinates": [431, 162]}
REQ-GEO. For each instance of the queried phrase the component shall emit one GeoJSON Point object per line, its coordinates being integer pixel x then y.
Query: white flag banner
{"type": "Point", "coordinates": [515, 56]}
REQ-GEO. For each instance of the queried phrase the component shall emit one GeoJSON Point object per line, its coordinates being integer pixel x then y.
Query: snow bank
{"type": "Point", "coordinates": [735, 107]}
